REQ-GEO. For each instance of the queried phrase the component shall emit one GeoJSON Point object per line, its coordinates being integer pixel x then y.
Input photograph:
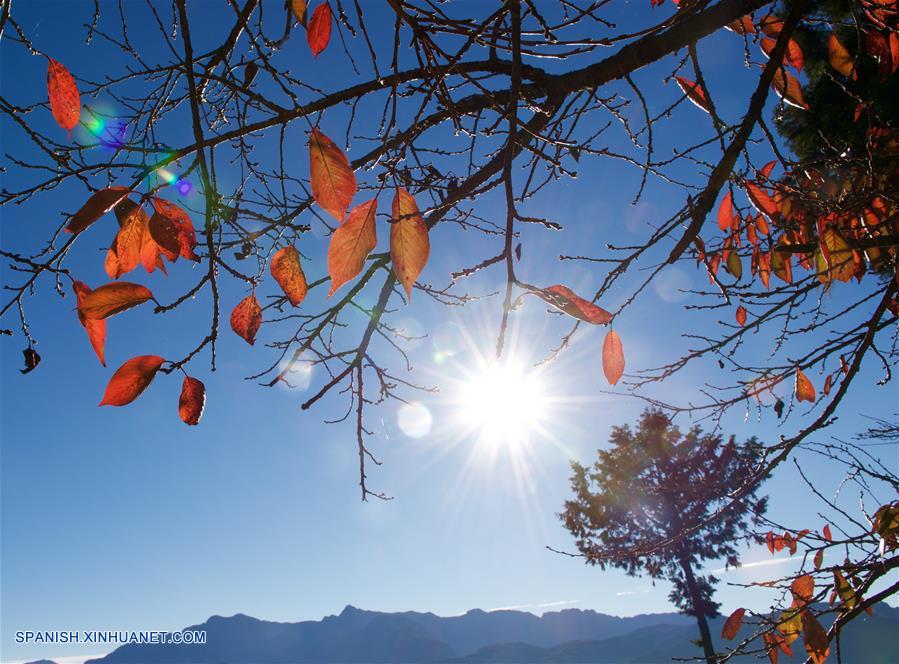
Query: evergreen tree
{"type": "Point", "coordinates": [643, 506]}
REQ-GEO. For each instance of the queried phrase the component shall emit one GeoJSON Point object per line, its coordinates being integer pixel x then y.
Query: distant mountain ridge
{"type": "Point", "coordinates": [506, 636]}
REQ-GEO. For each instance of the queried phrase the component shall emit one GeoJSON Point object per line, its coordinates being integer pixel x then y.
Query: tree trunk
{"type": "Point", "coordinates": [696, 600]}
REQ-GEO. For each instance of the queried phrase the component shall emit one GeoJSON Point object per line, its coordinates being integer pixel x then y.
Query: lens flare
{"type": "Point", "coordinates": [415, 420]}
{"type": "Point", "coordinates": [503, 403]}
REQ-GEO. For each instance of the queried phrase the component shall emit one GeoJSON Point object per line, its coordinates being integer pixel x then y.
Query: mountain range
{"type": "Point", "coordinates": [503, 636]}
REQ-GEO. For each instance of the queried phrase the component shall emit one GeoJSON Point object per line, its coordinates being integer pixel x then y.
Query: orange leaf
{"type": "Point", "coordinates": [834, 259]}
{"type": "Point", "coordinates": [96, 206]}
{"type": "Point", "coordinates": [318, 34]}
{"type": "Point", "coordinates": [191, 401]}
{"type": "Point", "coordinates": [760, 199]}
{"type": "Point", "coordinates": [839, 57]}
{"type": "Point", "coordinates": [771, 647]}
{"type": "Point", "coordinates": [819, 558]}
{"type": "Point", "coordinates": [612, 357]}
{"type": "Point", "coordinates": [111, 299]}
{"type": "Point", "coordinates": [128, 243]}
{"type": "Point", "coordinates": [741, 316]}
{"type": "Point", "coordinates": [130, 379]}
{"type": "Point", "coordinates": [828, 383]}
{"type": "Point", "coordinates": [827, 534]}
{"type": "Point", "coordinates": [299, 10]}
{"type": "Point", "coordinates": [726, 212]}
{"type": "Point", "coordinates": [332, 180]}
{"type": "Point", "coordinates": [287, 271]}
{"type": "Point", "coordinates": [694, 93]}
{"type": "Point", "coordinates": [732, 624]}
{"type": "Point", "coordinates": [803, 589]}
{"type": "Point", "coordinates": [65, 102]}
{"type": "Point", "coordinates": [410, 245]}
{"type": "Point", "coordinates": [96, 329]}
{"type": "Point", "coordinates": [351, 243]}
{"type": "Point", "coordinates": [788, 88]}
{"type": "Point", "coordinates": [563, 298]}
{"type": "Point", "coordinates": [805, 391]}
{"type": "Point", "coordinates": [793, 56]}
{"type": "Point", "coordinates": [815, 638]}
{"type": "Point", "coordinates": [246, 318]}
{"type": "Point", "coordinates": [781, 266]}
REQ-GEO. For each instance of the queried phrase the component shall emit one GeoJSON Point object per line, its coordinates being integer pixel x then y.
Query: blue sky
{"type": "Point", "coordinates": [127, 519]}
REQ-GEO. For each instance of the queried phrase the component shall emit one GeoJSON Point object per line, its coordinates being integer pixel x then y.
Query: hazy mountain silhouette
{"type": "Point", "coordinates": [477, 636]}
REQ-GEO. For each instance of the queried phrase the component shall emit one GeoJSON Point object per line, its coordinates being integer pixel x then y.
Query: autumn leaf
{"type": "Point", "coordinates": [65, 102]}
{"type": "Point", "coordinates": [732, 624]}
{"type": "Point", "coordinates": [826, 532]}
{"type": "Point", "coordinates": [828, 384]}
{"type": "Point", "coordinates": [298, 7]}
{"type": "Point", "coordinates": [781, 266]}
{"type": "Point", "coordinates": [332, 180]}
{"type": "Point", "coordinates": [741, 316]}
{"type": "Point", "coordinates": [694, 92]}
{"type": "Point", "coordinates": [191, 401]}
{"type": "Point", "coordinates": [790, 625]}
{"type": "Point", "coordinates": [734, 265]}
{"type": "Point", "coordinates": [793, 56]}
{"type": "Point", "coordinates": [130, 379]}
{"type": "Point", "coordinates": [95, 328]}
{"type": "Point", "coordinates": [410, 245]}
{"type": "Point", "coordinates": [563, 298]}
{"type": "Point", "coordinates": [833, 260]}
{"type": "Point", "coordinates": [815, 638]}
{"type": "Point", "coordinates": [32, 359]}
{"type": "Point", "coordinates": [246, 318]}
{"type": "Point", "coordinates": [819, 558]}
{"type": "Point", "coordinates": [287, 271]}
{"type": "Point", "coordinates": [771, 647]}
{"type": "Point", "coordinates": [318, 34]}
{"type": "Point", "coordinates": [166, 234]}
{"type": "Point", "coordinates": [351, 243]}
{"type": "Point", "coordinates": [111, 299]}
{"type": "Point", "coordinates": [96, 206]}
{"type": "Point", "coordinates": [803, 589]}
{"type": "Point", "coordinates": [788, 88]}
{"type": "Point", "coordinates": [844, 590]}
{"type": "Point", "coordinates": [127, 246]}
{"type": "Point", "coordinates": [760, 198]}
{"type": "Point", "coordinates": [805, 391]}
{"type": "Point", "coordinates": [187, 235]}
{"type": "Point", "coordinates": [612, 357]}
{"type": "Point", "coordinates": [742, 26]}
{"type": "Point", "coordinates": [839, 57]}
{"type": "Point", "coordinates": [726, 212]}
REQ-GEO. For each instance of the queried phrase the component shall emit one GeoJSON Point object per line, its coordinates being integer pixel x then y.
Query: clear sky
{"type": "Point", "coordinates": [128, 519]}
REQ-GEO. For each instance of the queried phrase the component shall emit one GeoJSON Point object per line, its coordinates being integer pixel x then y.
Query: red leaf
{"type": "Point", "coordinates": [694, 93]}
{"type": "Point", "coordinates": [128, 244]}
{"type": "Point", "coordinates": [187, 235]}
{"type": "Point", "coordinates": [827, 534]}
{"type": "Point", "coordinates": [332, 180]}
{"type": "Point", "coordinates": [131, 379]}
{"type": "Point", "coordinates": [769, 541]}
{"type": "Point", "coordinates": [771, 647]}
{"type": "Point", "coordinates": [612, 357]}
{"type": "Point", "coordinates": [410, 245]}
{"type": "Point", "coordinates": [65, 102]}
{"type": "Point", "coordinates": [760, 199]}
{"type": "Point", "coordinates": [351, 243]}
{"type": "Point", "coordinates": [96, 206]}
{"type": "Point", "coordinates": [819, 558]}
{"type": "Point", "coordinates": [726, 212]}
{"type": "Point", "coordinates": [96, 329]}
{"type": "Point", "coordinates": [287, 271]}
{"type": "Point", "coordinates": [793, 56]}
{"type": "Point", "coordinates": [192, 401]}
{"type": "Point", "coordinates": [788, 88]}
{"type": "Point", "coordinates": [318, 34]}
{"type": "Point", "coordinates": [732, 625]}
{"type": "Point", "coordinates": [246, 318]}
{"type": "Point", "coordinates": [166, 234]}
{"type": "Point", "coordinates": [741, 26]}
{"type": "Point", "coordinates": [111, 299]}
{"type": "Point", "coordinates": [741, 316]}
{"type": "Point", "coordinates": [563, 298]}
{"type": "Point", "coordinates": [828, 383]}
{"type": "Point", "coordinates": [805, 391]}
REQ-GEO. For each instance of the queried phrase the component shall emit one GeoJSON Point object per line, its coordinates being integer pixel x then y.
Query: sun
{"type": "Point", "coordinates": [502, 402]}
